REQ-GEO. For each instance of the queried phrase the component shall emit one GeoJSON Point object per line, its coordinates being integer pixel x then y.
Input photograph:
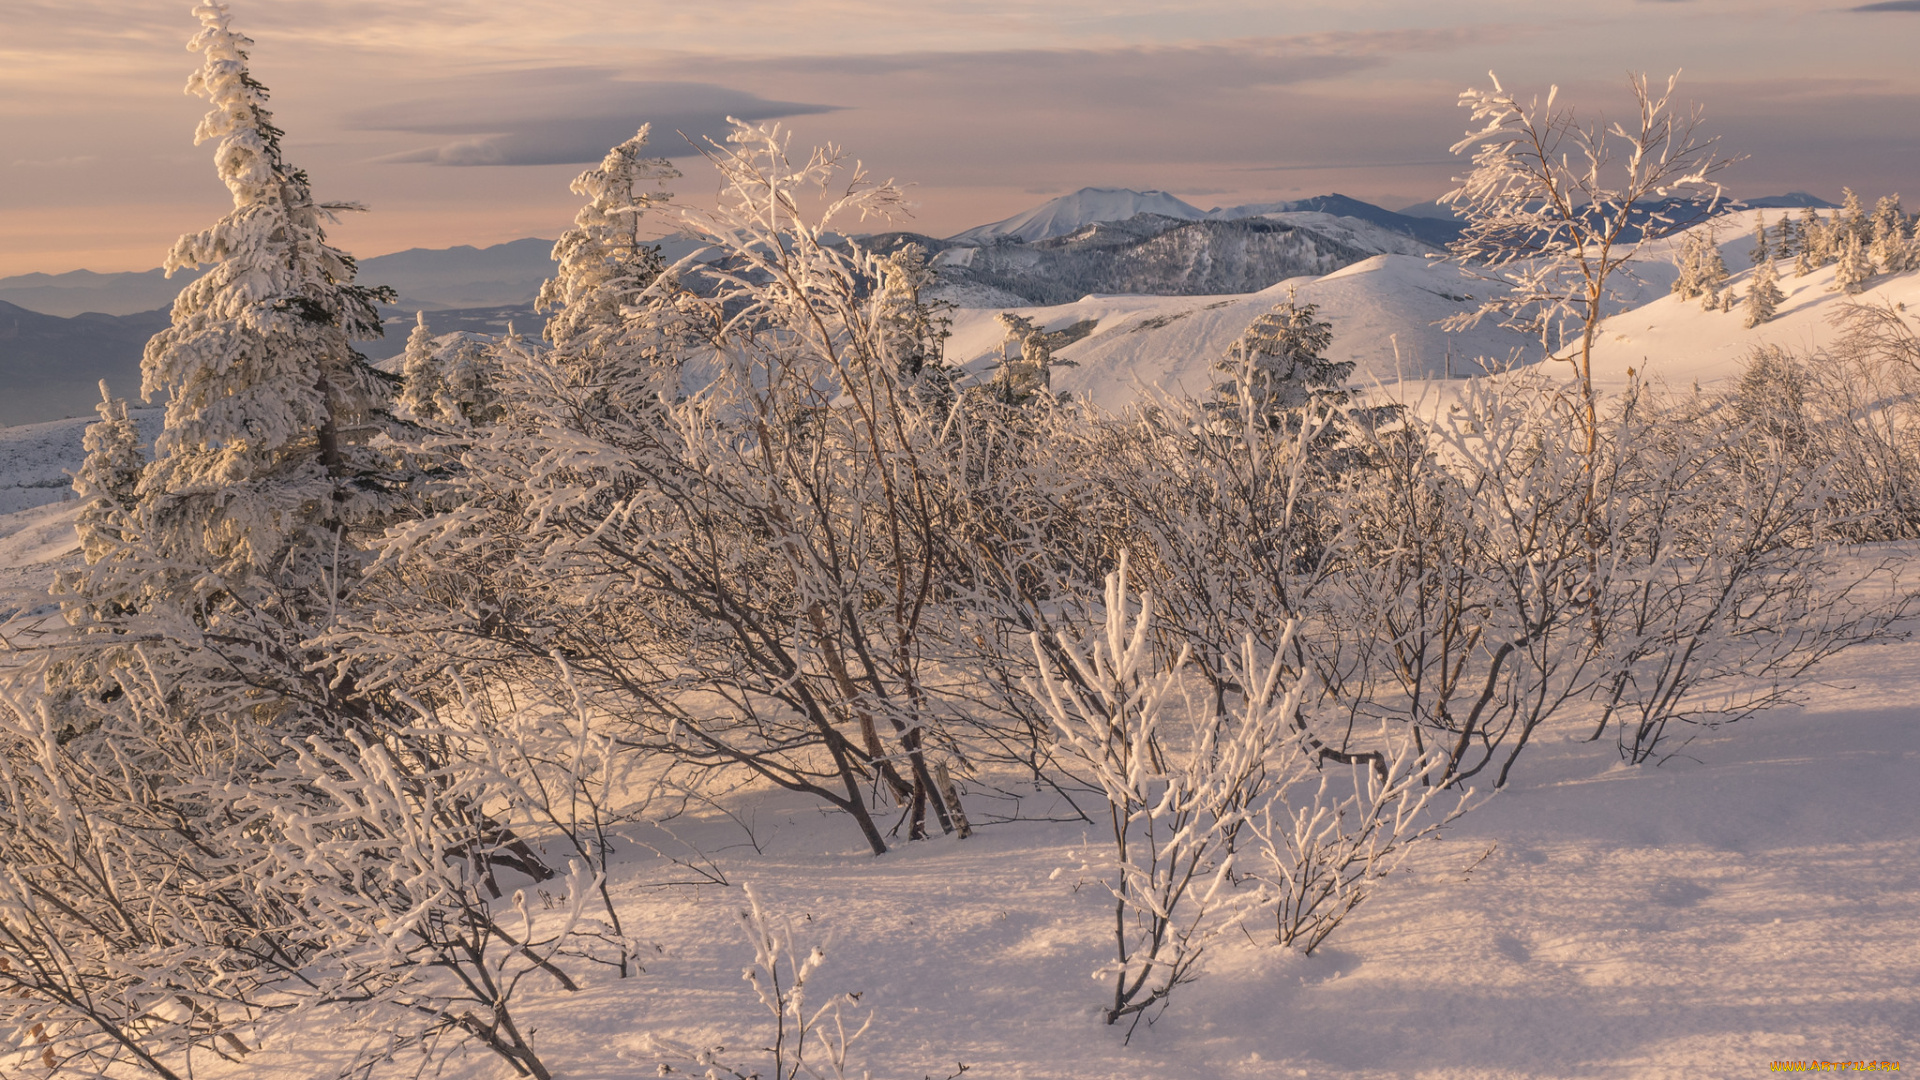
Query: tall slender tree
{"type": "Point", "coordinates": [262, 465]}
{"type": "Point", "coordinates": [1763, 294]}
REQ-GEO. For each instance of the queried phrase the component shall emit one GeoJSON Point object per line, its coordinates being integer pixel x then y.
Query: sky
{"type": "Point", "coordinates": [463, 121]}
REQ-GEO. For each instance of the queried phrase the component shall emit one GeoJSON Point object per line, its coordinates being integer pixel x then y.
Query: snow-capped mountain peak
{"type": "Point", "coordinates": [1068, 213]}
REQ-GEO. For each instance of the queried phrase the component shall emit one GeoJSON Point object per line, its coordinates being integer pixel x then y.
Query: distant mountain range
{"type": "Point", "coordinates": [1068, 214]}
{"type": "Point", "coordinates": [51, 367]}
{"type": "Point", "coordinates": [61, 333]}
{"type": "Point", "coordinates": [426, 279]}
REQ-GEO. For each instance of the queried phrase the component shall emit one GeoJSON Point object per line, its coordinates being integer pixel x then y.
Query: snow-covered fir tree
{"type": "Point", "coordinates": [421, 386]}
{"type": "Point", "coordinates": [1787, 242]}
{"type": "Point", "coordinates": [1712, 273]}
{"type": "Point", "coordinates": [1686, 286]}
{"type": "Point", "coordinates": [600, 330]}
{"type": "Point", "coordinates": [1026, 361]}
{"type": "Point", "coordinates": [1854, 267]}
{"type": "Point", "coordinates": [109, 478]}
{"type": "Point", "coordinates": [1703, 272]}
{"type": "Point", "coordinates": [915, 326]}
{"type": "Point", "coordinates": [1815, 244]}
{"type": "Point", "coordinates": [1891, 236]}
{"type": "Point", "coordinates": [1761, 252]}
{"type": "Point", "coordinates": [262, 461]}
{"type": "Point", "coordinates": [1763, 294]}
{"type": "Point", "coordinates": [1280, 363]}
{"type": "Point", "coordinates": [448, 379]}
{"type": "Point", "coordinates": [1850, 220]}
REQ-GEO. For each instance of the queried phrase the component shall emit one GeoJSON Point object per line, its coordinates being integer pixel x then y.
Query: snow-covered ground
{"type": "Point", "coordinates": [37, 460]}
{"type": "Point", "coordinates": [34, 543]}
{"type": "Point", "coordinates": [1753, 899]}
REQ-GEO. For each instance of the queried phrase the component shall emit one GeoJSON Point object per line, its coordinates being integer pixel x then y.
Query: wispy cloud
{"type": "Point", "coordinates": [1891, 5]}
{"type": "Point", "coordinates": [564, 116]}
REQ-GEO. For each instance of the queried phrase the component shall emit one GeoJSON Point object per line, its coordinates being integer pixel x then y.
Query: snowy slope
{"type": "Point", "coordinates": [1172, 342]}
{"type": "Point", "coordinates": [1058, 217]}
{"type": "Point", "coordinates": [34, 544]}
{"type": "Point", "coordinates": [1678, 342]}
{"type": "Point", "coordinates": [1753, 900]}
{"type": "Point", "coordinates": [37, 460]}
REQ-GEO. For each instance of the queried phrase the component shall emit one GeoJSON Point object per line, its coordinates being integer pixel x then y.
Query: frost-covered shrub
{"type": "Point", "coordinates": [806, 1040]}
{"type": "Point", "coordinates": [1218, 813]}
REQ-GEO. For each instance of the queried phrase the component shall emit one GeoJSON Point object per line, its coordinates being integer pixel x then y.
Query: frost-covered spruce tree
{"type": "Point", "coordinates": [1763, 295]}
{"type": "Point", "coordinates": [1854, 267]}
{"type": "Point", "coordinates": [1851, 220]}
{"type": "Point", "coordinates": [262, 467]}
{"type": "Point", "coordinates": [1889, 247]}
{"type": "Point", "coordinates": [604, 268]}
{"type": "Point", "coordinates": [1815, 244]}
{"type": "Point", "coordinates": [915, 325]}
{"type": "Point", "coordinates": [1026, 366]}
{"type": "Point", "coordinates": [1788, 243]}
{"type": "Point", "coordinates": [1280, 363]}
{"type": "Point", "coordinates": [1761, 252]}
{"type": "Point", "coordinates": [1712, 273]}
{"type": "Point", "coordinates": [421, 386]}
{"type": "Point", "coordinates": [1687, 285]}
{"type": "Point", "coordinates": [449, 380]}
{"type": "Point", "coordinates": [109, 478]}
{"type": "Point", "coordinates": [108, 526]}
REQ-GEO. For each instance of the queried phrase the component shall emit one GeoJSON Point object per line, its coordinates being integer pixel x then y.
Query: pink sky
{"type": "Point", "coordinates": [462, 121]}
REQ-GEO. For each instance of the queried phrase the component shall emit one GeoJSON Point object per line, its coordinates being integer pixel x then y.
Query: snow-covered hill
{"type": "Point", "coordinates": [1384, 312]}
{"type": "Point", "coordinates": [1375, 306]}
{"type": "Point", "coordinates": [37, 460]}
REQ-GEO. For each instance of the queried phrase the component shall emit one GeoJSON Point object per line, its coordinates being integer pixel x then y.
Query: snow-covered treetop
{"type": "Point", "coordinates": [1556, 205]}
{"type": "Point", "coordinates": [603, 262]}
{"type": "Point", "coordinates": [249, 155]}
{"type": "Point", "coordinates": [258, 366]}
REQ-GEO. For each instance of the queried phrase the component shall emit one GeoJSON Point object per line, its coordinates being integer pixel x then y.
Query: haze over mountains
{"type": "Point", "coordinates": [61, 334]}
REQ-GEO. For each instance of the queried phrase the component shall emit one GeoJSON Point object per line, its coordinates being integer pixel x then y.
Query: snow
{"type": "Point", "coordinates": [37, 460]}
{"type": "Point", "coordinates": [34, 543]}
{"type": "Point", "coordinates": [1173, 342]}
{"type": "Point", "coordinates": [1676, 341]}
{"type": "Point", "coordinates": [1748, 901]}
{"type": "Point", "coordinates": [1752, 898]}
{"type": "Point", "coordinates": [1058, 217]}
{"type": "Point", "coordinates": [1391, 299]}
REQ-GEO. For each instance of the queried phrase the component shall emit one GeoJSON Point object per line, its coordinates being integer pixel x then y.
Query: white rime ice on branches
{"type": "Point", "coordinates": [1555, 208]}
{"type": "Point", "coordinates": [1763, 294]}
{"type": "Point", "coordinates": [1854, 268]}
{"type": "Point", "coordinates": [807, 1040]}
{"type": "Point", "coordinates": [1187, 784]}
{"type": "Point", "coordinates": [266, 395]}
{"type": "Point", "coordinates": [604, 265]}
{"type": "Point", "coordinates": [1703, 272]}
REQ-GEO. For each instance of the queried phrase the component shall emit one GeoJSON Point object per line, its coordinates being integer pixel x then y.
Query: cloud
{"type": "Point", "coordinates": [564, 116]}
{"type": "Point", "coordinates": [1890, 5]}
